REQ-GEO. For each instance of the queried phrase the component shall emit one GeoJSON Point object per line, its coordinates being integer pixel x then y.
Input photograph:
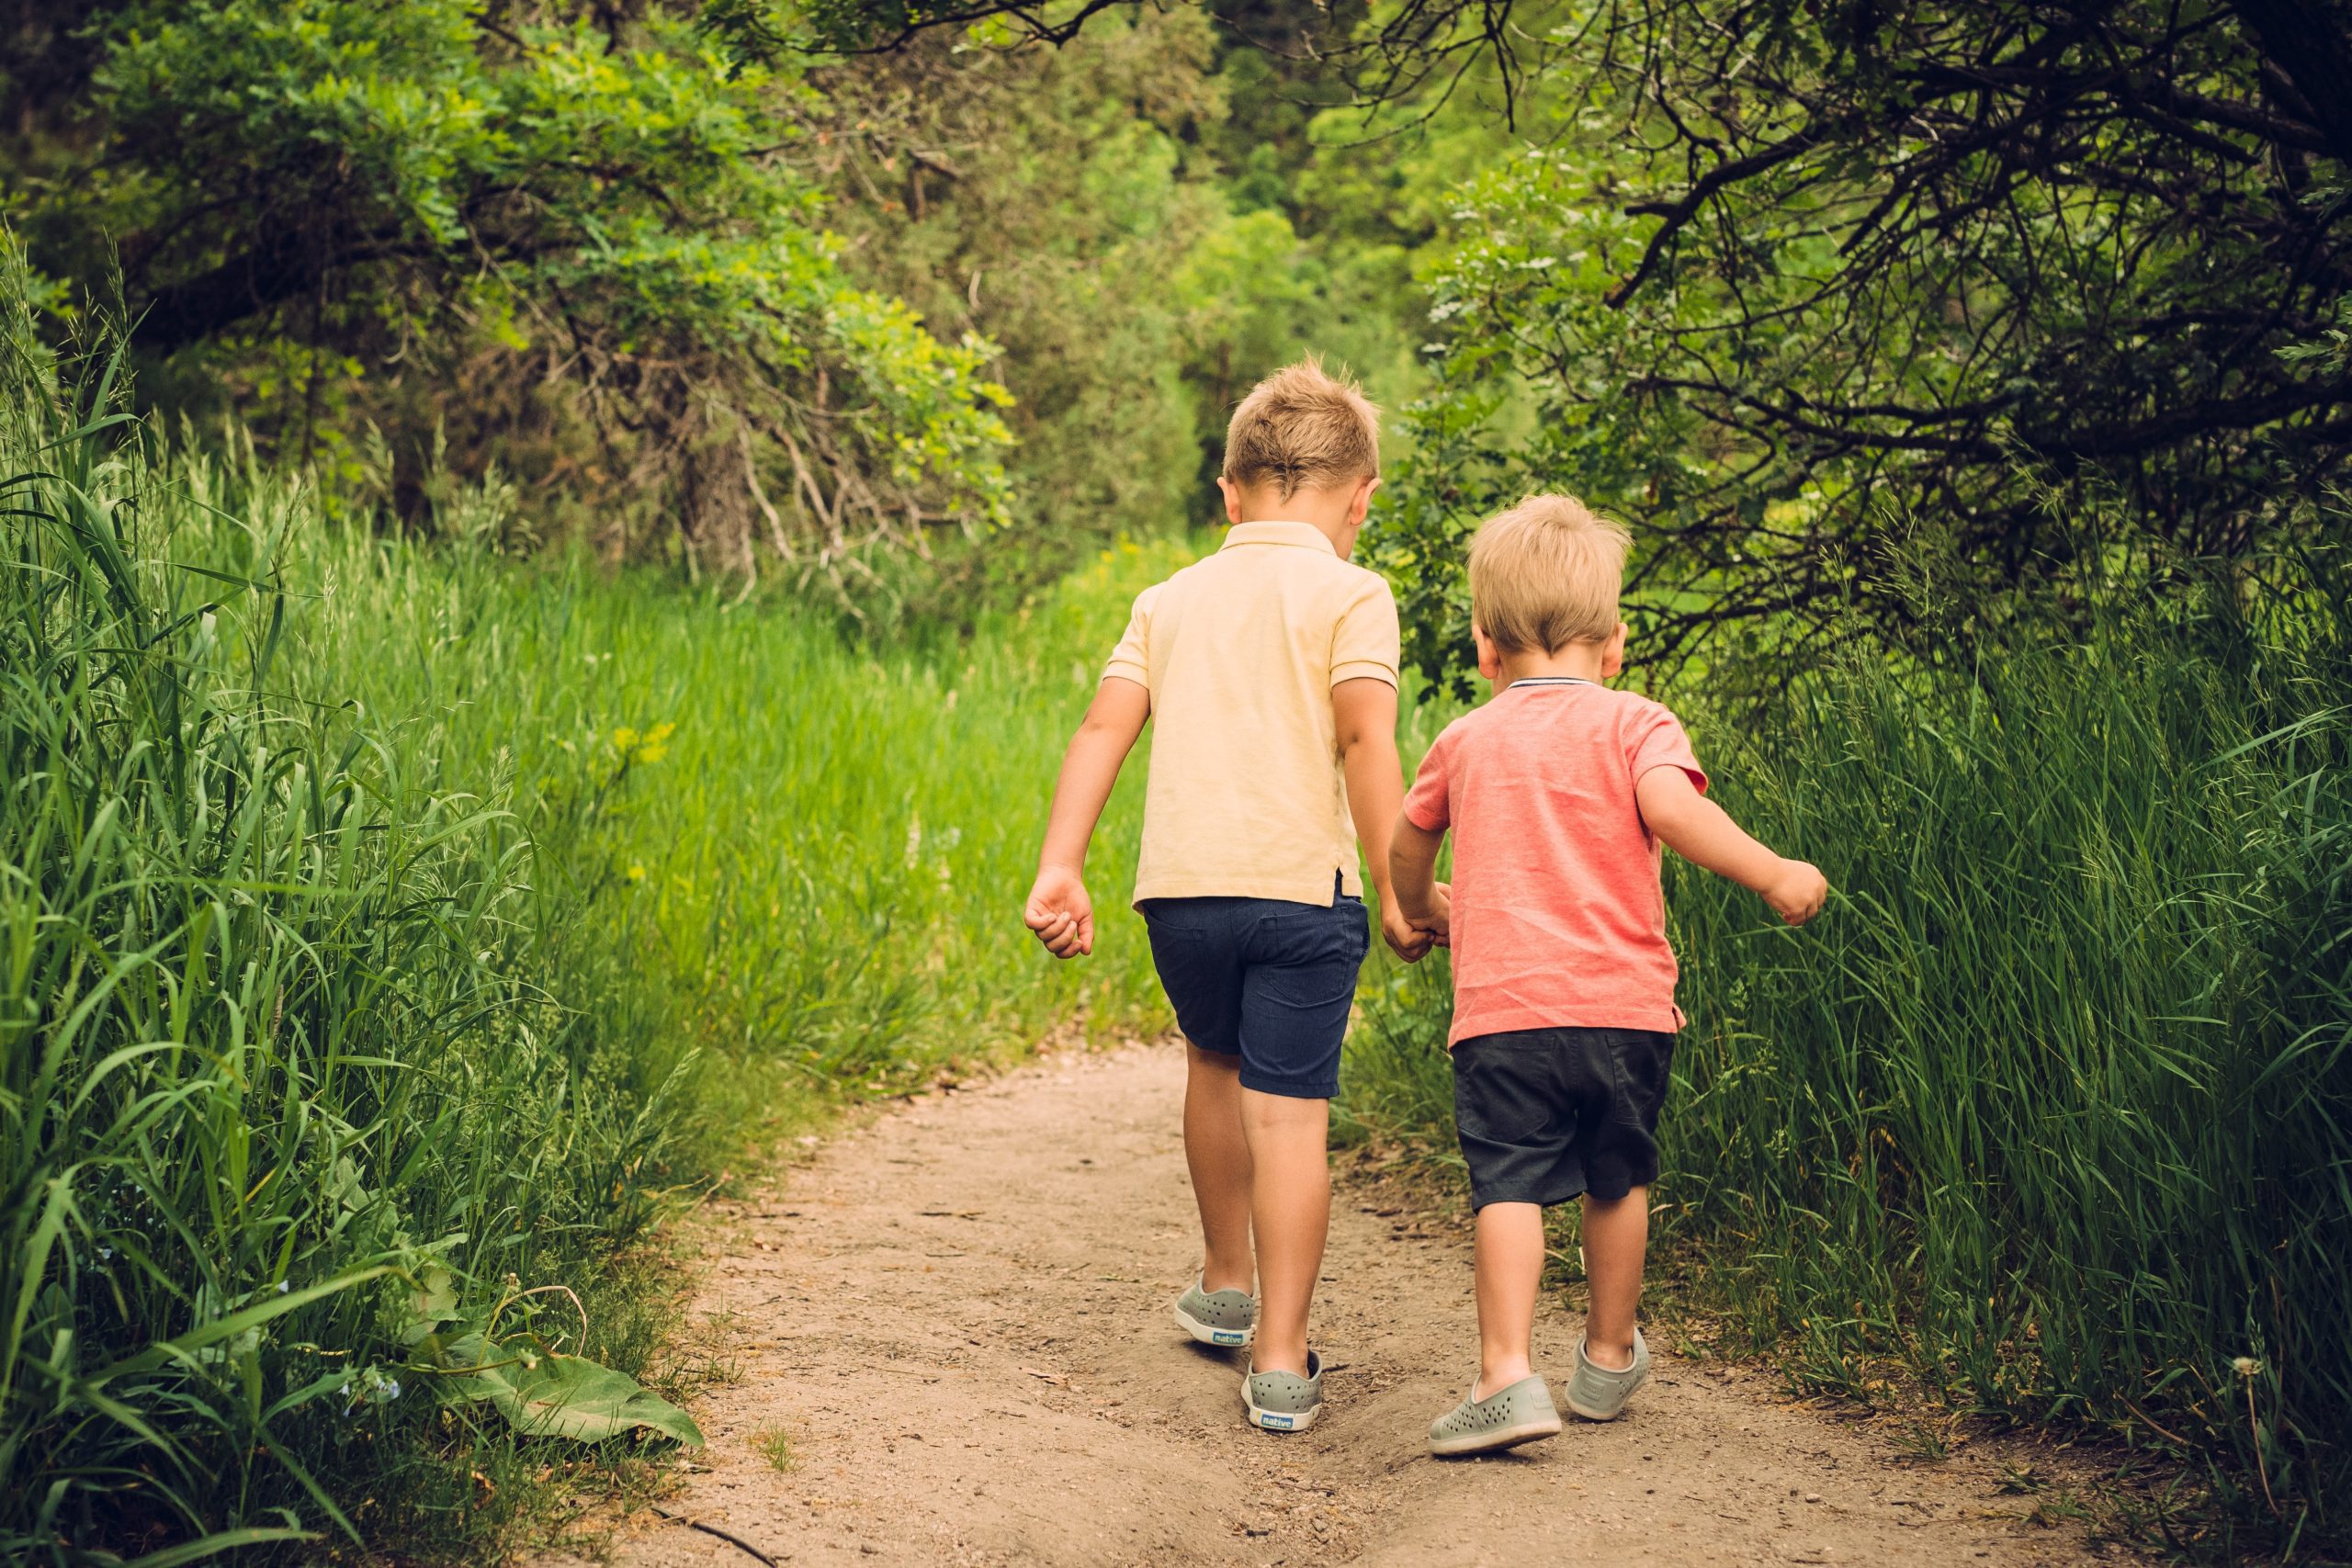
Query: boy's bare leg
{"type": "Point", "coordinates": [1616, 1232]}
{"type": "Point", "coordinates": [1218, 1154]}
{"type": "Point", "coordinates": [1511, 1269]}
{"type": "Point", "coordinates": [1290, 1205]}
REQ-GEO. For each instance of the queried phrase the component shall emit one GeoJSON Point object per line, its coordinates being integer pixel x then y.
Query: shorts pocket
{"type": "Point", "coordinates": [1503, 1092]}
{"type": "Point", "coordinates": [1643, 1061]}
{"type": "Point", "coordinates": [1192, 949]}
{"type": "Point", "coordinates": [1189, 916]}
{"type": "Point", "coordinates": [1309, 971]}
{"type": "Point", "coordinates": [1309, 935]}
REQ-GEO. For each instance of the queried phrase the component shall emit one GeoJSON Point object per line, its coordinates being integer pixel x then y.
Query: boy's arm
{"type": "Point", "coordinates": [1703, 833]}
{"type": "Point", "coordinates": [1365, 712]}
{"type": "Point", "coordinates": [1423, 900]}
{"type": "Point", "coordinates": [1059, 909]}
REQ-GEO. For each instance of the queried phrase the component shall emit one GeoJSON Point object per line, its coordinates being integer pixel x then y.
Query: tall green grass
{"type": "Point", "coordinates": [395, 932]}
{"type": "Point", "coordinates": [2054, 1102]}
{"type": "Point", "coordinates": [817, 851]}
{"type": "Point", "coordinates": [288, 1037]}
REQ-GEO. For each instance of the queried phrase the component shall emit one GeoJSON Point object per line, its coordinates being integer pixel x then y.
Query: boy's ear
{"type": "Point", "coordinates": [1232, 499]}
{"type": "Point", "coordinates": [1612, 653]}
{"type": "Point", "coordinates": [1490, 663]}
{"type": "Point", "coordinates": [1362, 502]}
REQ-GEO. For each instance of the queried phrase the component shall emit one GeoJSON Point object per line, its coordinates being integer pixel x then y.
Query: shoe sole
{"type": "Point", "coordinates": [1279, 1420]}
{"type": "Point", "coordinates": [1208, 1334]}
{"type": "Point", "coordinates": [1495, 1442]}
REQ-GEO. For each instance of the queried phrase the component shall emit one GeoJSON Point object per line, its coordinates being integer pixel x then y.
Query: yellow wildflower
{"type": "Point", "coordinates": [643, 746]}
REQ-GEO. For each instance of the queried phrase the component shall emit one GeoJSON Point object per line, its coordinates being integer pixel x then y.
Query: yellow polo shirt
{"type": "Point", "coordinates": [1239, 652]}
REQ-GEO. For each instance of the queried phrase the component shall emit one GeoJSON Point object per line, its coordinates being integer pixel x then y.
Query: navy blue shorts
{"type": "Point", "coordinates": [1265, 980]}
{"type": "Point", "coordinates": [1545, 1115]}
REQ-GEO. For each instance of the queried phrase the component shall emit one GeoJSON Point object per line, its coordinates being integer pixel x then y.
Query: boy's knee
{"type": "Point", "coordinates": [1213, 1062]}
{"type": "Point", "coordinates": [1631, 1195]}
{"type": "Point", "coordinates": [1283, 1112]}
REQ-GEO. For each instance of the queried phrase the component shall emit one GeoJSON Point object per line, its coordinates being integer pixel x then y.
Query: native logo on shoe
{"type": "Point", "coordinates": [1268, 1419]}
{"type": "Point", "coordinates": [1226, 1335]}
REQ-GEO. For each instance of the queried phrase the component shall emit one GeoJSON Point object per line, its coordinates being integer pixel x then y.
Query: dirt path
{"type": "Point", "coordinates": [959, 1318]}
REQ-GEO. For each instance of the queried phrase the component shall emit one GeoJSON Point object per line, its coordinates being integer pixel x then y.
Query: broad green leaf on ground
{"type": "Point", "coordinates": [570, 1396]}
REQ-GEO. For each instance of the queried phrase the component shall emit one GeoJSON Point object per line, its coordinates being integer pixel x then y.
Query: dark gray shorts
{"type": "Point", "coordinates": [1265, 980]}
{"type": "Point", "coordinates": [1545, 1115]}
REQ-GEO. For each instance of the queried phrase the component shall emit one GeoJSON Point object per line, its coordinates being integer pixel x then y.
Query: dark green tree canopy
{"type": "Point", "coordinates": [1777, 277]}
{"type": "Point", "coordinates": [1778, 280]}
{"type": "Point", "coordinates": [1819, 272]}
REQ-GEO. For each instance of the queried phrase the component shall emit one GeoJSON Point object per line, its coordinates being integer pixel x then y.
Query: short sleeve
{"type": "Point", "coordinates": [1659, 741]}
{"type": "Point", "coordinates": [1131, 660]}
{"type": "Point", "coordinates": [1428, 804]}
{"type": "Point", "coordinates": [1365, 642]}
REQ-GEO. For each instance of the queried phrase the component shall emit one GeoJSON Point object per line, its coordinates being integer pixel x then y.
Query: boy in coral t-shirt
{"type": "Point", "coordinates": [1559, 791]}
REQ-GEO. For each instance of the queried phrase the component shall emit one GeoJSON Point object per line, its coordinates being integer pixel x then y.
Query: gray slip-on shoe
{"type": "Point", "coordinates": [1226, 1318]}
{"type": "Point", "coordinates": [1520, 1413]}
{"type": "Point", "coordinates": [1285, 1401]}
{"type": "Point", "coordinates": [1599, 1394]}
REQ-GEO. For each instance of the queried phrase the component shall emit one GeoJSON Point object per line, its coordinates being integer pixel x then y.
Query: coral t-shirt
{"type": "Point", "coordinates": [1558, 918]}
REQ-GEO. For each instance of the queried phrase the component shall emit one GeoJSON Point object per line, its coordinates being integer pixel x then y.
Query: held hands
{"type": "Point", "coordinates": [1060, 913]}
{"type": "Point", "coordinates": [1797, 893]}
{"type": "Point", "coordinates": [1410, 937]}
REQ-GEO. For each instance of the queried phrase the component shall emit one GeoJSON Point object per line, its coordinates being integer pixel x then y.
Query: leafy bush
{"type": "Point", "coordinates": [574, 237]}
{"type": "Point", "coordinates": [1798, 282]}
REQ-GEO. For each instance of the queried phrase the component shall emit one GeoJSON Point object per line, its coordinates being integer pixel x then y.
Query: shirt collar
{"type": "Point", "coordinates": [1304, 534]}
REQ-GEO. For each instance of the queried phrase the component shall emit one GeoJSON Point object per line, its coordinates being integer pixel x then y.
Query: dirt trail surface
{"type": "Point", "coordinates": [958, 1317]}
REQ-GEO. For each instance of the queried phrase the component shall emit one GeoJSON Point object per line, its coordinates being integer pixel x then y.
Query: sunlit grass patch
{"type": "Point", "coordinates": [776, 1446]}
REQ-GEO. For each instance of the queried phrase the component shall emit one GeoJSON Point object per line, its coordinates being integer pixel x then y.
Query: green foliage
{"type": "Point", "coordinates": [805, 844]}
{"type": "Point", "coordinates": [286, 1037]}
{"type": "Point", "coordinates": [526, 200]}
{"type": "Point", "coordinates": [722, 307]}
{"type": "Point", "coordinates": [369, 903]}
{"type": "Point", "coordinates": [556, 1396]}
{"type": "Point", "coordinates": [2052, 1104]}
{"type": "Point", "coordinates": [1144, 223]}
{"type": "Point", "coordinates": [1795, 284]}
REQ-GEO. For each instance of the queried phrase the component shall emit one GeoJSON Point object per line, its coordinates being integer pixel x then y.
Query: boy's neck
{"type": "Point", "coordinates": [1334, 513]}
{"type": "Point", "coordinates": [1578, 661]}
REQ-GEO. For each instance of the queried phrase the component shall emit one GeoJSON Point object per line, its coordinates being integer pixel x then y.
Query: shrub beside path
{"type": "Point", "coordinates": [956, 1316]}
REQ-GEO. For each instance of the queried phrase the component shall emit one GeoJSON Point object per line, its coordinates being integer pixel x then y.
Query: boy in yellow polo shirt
{"type": "Point", "coordinates": [1270, 670]}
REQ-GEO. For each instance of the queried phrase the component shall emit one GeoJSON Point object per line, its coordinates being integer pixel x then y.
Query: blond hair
{"type": "Point", "coordinates": [1301, 429]}
{"type": "Point", "coordinates": [1547, 573]}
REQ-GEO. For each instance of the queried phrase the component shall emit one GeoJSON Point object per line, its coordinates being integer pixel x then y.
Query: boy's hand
{"type": "Point", "coordinates": [1406, 940]}
{"type": "Point", "coordinates": [1410, 937]}
{"type": "Point", "coordinates": [1060, 912]}
{"type": "Point", "coordinates": [1797, 893]}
